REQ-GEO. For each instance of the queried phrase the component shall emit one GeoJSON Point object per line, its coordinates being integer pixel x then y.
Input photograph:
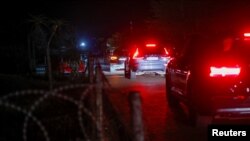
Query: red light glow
{"type": "Point", "coordinates": [136, 53]}
{"type": "Point", "coordinates": [224, 71]}
{"type": "Point", "coordinates": [246, 34]}
{"type": "Point", "coordinates": [166, 51]}
{"type": "Point", "coordinates": [113, 58]}
{"type": "Point", "coordinates": [150, 45]}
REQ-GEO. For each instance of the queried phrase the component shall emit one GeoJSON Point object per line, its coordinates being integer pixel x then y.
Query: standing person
{"type": "Point", "coordinates": [81, 67]}
{"type": "Point", "coordinates": [61, 67]}
{"type": "Point", "coordinates": [74, 69]}
{"type": "Point", "coordinates": [66, 68]}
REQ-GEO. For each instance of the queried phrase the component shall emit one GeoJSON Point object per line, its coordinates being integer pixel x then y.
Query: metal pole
{"type": "Point", "coordinates": [99, 103]}
{"type": "Point", "coordinates": [91, 69]}
{"type": "Point", "coordinates": [49, 60]}
{"type": "Point", "coordinates": [137, 122]}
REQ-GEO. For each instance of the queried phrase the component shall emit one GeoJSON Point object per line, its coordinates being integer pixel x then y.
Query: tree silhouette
{"type": "Point", "coordinates": [48, 37]}
{"type": "Point", "coordinates": [37, 38]}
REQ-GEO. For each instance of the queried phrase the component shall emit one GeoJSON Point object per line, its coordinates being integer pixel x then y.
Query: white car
{"type": "Point", "coordinates": [144, 59]}
{"type": "Point", "coordinates": [117, 61]}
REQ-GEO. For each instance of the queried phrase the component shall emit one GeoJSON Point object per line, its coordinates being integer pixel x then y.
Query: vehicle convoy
{"type": "Point", "coordinates": [147, 58]}
{"type": "Point", "coordinates": [211, 78]}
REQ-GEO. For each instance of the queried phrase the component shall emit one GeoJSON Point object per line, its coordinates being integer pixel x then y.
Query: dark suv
{"type": "Point", "coordinates": [211, 78]}
{"type": "Point", "coordinates": [148, 58]}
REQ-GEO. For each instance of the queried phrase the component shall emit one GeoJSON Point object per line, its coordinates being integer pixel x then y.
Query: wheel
{"type": "Point", "coordinates": [132, 74]}
{"type": "Point", "coordinates": [126, 69]}
{"type": "Point", "coordinates": [197, 120]}
{"type": "Point", "coordinates": [194, 118]}
{"type": "Point", "coordinates": [171, 99]}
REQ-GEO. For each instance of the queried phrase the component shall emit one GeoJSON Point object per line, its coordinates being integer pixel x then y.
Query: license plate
{"type": "Point", "coordinates": [152, 58]}
{"type": "Point", "coordinates": [117, 66]}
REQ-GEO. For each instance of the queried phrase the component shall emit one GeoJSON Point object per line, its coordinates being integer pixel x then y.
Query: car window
{"type": "Point", "coordinates": [152, 51]}
{"type": "Point", "coordinates": [197, 46]}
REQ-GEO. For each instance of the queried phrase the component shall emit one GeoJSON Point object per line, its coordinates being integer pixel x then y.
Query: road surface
{"type": "Point", "coordinates": [159, 122]}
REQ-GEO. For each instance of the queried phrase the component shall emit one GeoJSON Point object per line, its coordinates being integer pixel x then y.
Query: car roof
{"type": "Point", "coordinates": [216, 45]}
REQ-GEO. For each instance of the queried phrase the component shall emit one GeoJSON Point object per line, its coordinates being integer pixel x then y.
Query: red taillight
{"type": "Point", "coordinates": [224, 71]}
{"type": "Point", "coordinates": [246, 34]}
{"type": "Point", "coordinates": [136, 53]}
{"type": "Point", "coordinates": [112, 58]}
{"type": "Point", "coordinates": [166, 51]}
{"type": "Point", "coordinates": [150, 45]}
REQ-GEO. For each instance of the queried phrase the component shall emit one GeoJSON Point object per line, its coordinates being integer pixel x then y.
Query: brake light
{"type": "Point", "coordinates": [246, 34]}
{"type": "Point", "coordinates": [136, 53]}
{"type": "Point", "coordinates": [150, 45]}
{"type": "Point", "coordinates": [224, 71]}
{"type": "Point", "coordinates": [113, 58]}
{"type": "Point", "coordinates": [166, 51]}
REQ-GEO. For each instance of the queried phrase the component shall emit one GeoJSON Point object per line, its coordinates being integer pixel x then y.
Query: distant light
{"type": "Point", "coordinates": [113, 58]}
{"type": "Point", "coordinates": [83, 44]}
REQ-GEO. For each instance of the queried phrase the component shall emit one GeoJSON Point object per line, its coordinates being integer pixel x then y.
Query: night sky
{"type": "Point", "coordinates": [102, 18]}
{"type": "Point", "coordinates": [91, 17]}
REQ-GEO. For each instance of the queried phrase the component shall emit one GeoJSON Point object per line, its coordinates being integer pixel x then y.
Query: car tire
{"type": "Point", "coordinates": [171, 99]}
{"type": "Point", "coordinates": [126, 69]}
{"type": "Point", "coordinates": [132, 74]}
{"type": "Point", "coordinates": [197, 120]}
{"type": "Point", "coordinates": [194, 118]}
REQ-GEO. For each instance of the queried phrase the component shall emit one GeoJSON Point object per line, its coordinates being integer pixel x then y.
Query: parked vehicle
{"type": "Point", "coordinates": [211, 78]}
{"type": "Point", "coordinates": [117, 60]}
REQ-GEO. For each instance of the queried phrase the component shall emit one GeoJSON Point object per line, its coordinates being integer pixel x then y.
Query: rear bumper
{"type": "Point", "coordinates": [150, 72]}
{"type": "Point", "coordinates": [239, 110]}
{"type": "Point", "coordinates": [233, 113]}
{"type": "Point", "coordinates": [232, 101]}
{"type": "Point", "coordinates": [142, 68]}
{"type": "Point", "coordinates": [117, 67]}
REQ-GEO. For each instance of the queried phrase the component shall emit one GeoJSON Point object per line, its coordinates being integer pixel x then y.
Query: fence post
{"type": "Point", "coordinates": [92, 96]}
{"type": "Point", "coordinates": [137, 122]}
{"type": "Point", "coordinates": [91, 69]}
{"type": "Point", "coordinates": [99, 110]}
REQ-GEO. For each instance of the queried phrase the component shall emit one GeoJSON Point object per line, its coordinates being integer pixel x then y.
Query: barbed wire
{"type": "Point", "coordinates": [58, 93]}
{"type": "Point", "coordinates": [44, 95]}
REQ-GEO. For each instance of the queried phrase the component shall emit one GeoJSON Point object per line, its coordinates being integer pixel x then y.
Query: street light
{"type": "Point", "coordinates": [82, 47]}
{"type": "Point", "coordinates": [83, 44]}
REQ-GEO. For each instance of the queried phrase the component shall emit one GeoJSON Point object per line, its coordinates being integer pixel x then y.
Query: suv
{"type": "Point", "coordinates": [149, 58]}
{"type": "Point", "coordinates": [211, 79]}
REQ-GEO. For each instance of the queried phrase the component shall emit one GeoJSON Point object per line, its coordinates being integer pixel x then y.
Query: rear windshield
{"type": "Point", "coordinates": [152, 51]}
{"type": "Point", "coordinates": [121, 52]}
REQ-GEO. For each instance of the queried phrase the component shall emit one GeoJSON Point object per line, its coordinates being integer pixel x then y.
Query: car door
{"type": "Point", "coordinates": [179, 75]}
